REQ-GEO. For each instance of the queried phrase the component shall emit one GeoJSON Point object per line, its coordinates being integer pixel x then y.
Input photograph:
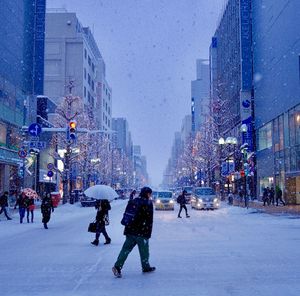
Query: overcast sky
{"type": "Point", "coordinates": [150, 48]}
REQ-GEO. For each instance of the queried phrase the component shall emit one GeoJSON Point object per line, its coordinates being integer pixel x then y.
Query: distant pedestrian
{"type": "Point", "coordinates": [46, 209]}
{"type": "Point", "coordinates": [230, 198]}
{"type": "Point", "coordinates": [30, 208]}
{"type": "Point", "coordinates": [132, 195]}
{"type": "Point", "coordinates": [4, 204]}
{"type": "Point", "coordinates": [138, 232]}
{"type": "Point", "coordinates": [272, 195]}
{"type": "Point", "coordinates": [22, 204]}
{"type": "Point", "coordinates": [279, 197]}
{"type": "Point", "coordinates": [182, 202]}
{"type": "Point", "coordinates": [266, 196]}
{"type": "Point", "coordinates": [102, 207]}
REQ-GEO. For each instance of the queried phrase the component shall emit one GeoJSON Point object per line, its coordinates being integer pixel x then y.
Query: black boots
{"type": "Point", "coordinates": [95, 242]}
{"type": "Point", "coordinates": [45, 226]}
{"type": "Point", "coordinates": [108, 242]}
{"type": "Point", "coordinates": [149, 269]}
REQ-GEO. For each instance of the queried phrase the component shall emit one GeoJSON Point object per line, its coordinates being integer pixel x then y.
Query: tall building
{"type": "Point", "coordinates": [72, 54]}
{"type": "Point", "coordinates": [276, 64]}
{"type": "Point", "coordinates": [200, 95]}
{"type": "Point", "coordinates": [186, 128]}
{"type": "Point", "coordinates": [21, 78]}
{"type": "Point", "coordinates": [231, 91]}
{"type": "Point", "coordinates": [122, 136]}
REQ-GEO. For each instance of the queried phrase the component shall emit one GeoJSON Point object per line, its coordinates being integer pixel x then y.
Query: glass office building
{"type": "Point", "coordinates": [21, 78]}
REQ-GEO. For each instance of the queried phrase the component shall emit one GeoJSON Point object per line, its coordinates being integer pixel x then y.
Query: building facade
{"type": "Point", "coordinates": [276, 64]}
{"type": "Point", "coordinates": [200, 95]}
{"type": "Point", "coordinates": [72, 54]}
{"type": "Point", "coordinates": [21, 79]}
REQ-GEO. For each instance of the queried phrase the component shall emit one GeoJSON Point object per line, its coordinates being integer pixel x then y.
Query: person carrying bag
{"type": "Point", "coordinates": [101, 220]}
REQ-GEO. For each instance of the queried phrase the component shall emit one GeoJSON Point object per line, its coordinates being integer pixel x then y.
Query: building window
{"type": "Point", "coordinates": [109, 110]}
{"type": "Point", "coordinates": [85, 53]}
{"type": "Point", "coordinates": [84, 74]}
{"type": "Point", "coordinates": [89, 60]}
{"type": "Point", "coordinates": [89, 79]}
{"type": "Point", "coordinates": [84, 92]}
{"type": "Point", "coordinates": [93, 67]}
{"type": "Point", "coordinates": [93, 85]}
{"type": "Point", "coordinates": [109, 123]}
{"type": "Point", "coordinates": [109, 96]}
{"type": "Point", "coordinates": [3, 132]}
{"type": "Point", "coordinates": [265, 137]}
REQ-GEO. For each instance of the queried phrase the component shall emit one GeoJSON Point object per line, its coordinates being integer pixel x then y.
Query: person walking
{"type": "Point", "coordinates": [132, 195]}
{"type": "Point", "coordinates": [4, 205]}
{"type": "Point", "coordinates": [22, 204]}
{"type": "Point", "coordinates": [272, 195]}
{"type": "Point", "coordinates": [138, 233]}
{"type": "Point", "coordinates": [46, 209]}
{"type": "Point", "coordinates": [30, 208]}
{"type": "Point", "coordinates": [279, 197]}
{"type": "Point", "coordinates": [182, 202]}
{"type": "Point", "coordinates": [266, 196]}
{"type": "Point", "coordinates": [102, 207]}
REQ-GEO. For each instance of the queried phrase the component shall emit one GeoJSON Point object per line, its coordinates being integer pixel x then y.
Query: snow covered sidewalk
{"type": "Point", "coordinates": [231, 251]}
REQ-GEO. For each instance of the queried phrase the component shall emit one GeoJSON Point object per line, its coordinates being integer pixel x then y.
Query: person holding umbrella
{"type": "Point", "coordinates": [46, 209]}
{"type": "Point", "coordinates": [102, 207]}
{"type": "Point", "coordinates": [30, 208]}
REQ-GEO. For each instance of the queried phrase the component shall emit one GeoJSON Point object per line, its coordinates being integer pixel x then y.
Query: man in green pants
{"type": "Point", "coordinates": [138, 233]}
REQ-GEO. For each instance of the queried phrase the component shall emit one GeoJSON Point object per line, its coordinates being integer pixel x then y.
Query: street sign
{"type": "Point", "coordinates": [35, 144]}
{"type": "Point", "coordinates": [50, 166]}
{"type": "Point", "coordinates": [34, 129]}
{"type": "Point", "coordinates": [22, 153]}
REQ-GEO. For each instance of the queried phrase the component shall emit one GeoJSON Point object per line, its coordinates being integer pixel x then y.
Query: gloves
{"type": "Point", "coordinates": [52, 210]}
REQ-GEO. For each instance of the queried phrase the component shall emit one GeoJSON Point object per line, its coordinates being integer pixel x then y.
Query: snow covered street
{"type": "Point", "coordinates": [231, 251]}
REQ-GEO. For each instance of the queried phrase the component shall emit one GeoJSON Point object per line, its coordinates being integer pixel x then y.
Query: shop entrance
{"type": "Point", "coordinates": [292, 195]}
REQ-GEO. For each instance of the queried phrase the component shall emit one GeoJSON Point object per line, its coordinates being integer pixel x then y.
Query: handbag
{"type": "Point", "coordinates": [92, 227]}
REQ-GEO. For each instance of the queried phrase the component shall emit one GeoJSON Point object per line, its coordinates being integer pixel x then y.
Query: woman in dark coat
{"type": "Point", "coordinates": [102, 207]}
{"type": "Point", "coordinates": [22, 204]}
{"type": "Point", "coordinates": [30, 209]}
{"type": "Point", "coordinates": [46, 209]}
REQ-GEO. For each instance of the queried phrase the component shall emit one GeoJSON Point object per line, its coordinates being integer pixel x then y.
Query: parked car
{"type": "Point", "coordinates": [189, 191]}
{"type": "Point", "coordinates": [164, 201]}
{"type": "Point", "coordinates": [204, 198]}
{"type": "Point", "coordinates": [87, 201]}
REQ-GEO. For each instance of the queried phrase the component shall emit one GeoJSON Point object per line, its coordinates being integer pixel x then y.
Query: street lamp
{"type": "Point", "coordinates": [229, 141]}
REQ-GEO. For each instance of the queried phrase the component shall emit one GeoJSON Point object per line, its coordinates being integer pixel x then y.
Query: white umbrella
{"type": "Point", "coordinates": [101, 192]}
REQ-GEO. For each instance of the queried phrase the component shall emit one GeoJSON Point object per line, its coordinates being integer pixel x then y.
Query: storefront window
{"type": "Point", "coordinates": [265, 137]}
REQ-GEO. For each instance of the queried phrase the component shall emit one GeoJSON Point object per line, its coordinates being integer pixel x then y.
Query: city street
{"type": "Point", "coordinates": [231, 251]}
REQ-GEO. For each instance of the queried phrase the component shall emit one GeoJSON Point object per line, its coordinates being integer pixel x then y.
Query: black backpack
{"type": "Point", "coordinates": [130, 213]}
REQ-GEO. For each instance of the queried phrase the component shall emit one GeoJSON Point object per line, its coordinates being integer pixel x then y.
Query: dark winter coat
{"type": "Point", "coordinates": [47, 206]}
{"type": "Point", "coordinates": [100, 217]}
{"type": "Point", "coordinates": [181, 199]}
{"type": "Point", "coordinates": [21, 202]}
{"type": "Point", "coordinates": [142, 224]}
{"type": "Point", "coordinates": [3, 201]}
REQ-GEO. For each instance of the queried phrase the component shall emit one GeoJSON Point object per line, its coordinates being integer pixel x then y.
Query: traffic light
{"type": "Point", "coordinates": [72, 130]}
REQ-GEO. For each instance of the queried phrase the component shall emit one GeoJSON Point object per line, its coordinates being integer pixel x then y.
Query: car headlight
{"type": "Point", "coordinates": [158, 201]}
{"type": "Point", "coordinates": [215, 200]}
{"type": "Point", "coordinates": [171, 201]}
{"type": "Point", "coordinates": [200, 200]}
{"type": "Point", "coordinates": [198, 205]}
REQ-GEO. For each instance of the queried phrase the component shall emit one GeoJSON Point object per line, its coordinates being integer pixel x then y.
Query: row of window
{"type": "Point", "coordinates": [91, 64]}
{"type": "Point", "coordinates": [89, 79]}
{"type": "Point", "coordinates": [282, 132]}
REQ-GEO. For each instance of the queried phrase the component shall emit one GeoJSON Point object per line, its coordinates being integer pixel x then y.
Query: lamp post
{"type": "Point", "coordinates": [230, 141]}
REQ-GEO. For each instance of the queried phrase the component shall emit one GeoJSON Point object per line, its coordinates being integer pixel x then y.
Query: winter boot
{"type": "Point", "coordinates": [178, 216]}
{"type": "Point", "coordinates": [45, 226]}
{"type": "Point", "coordinates": [117, 271]}
{"type": "Point", "coordinates": [149, 269]}
{"type": "Point", "coordinates": [95, 242]}
{"type": "Point", "coordinates": [187, 216]}
{"type": "Point", "coordinates": [108, 242]}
